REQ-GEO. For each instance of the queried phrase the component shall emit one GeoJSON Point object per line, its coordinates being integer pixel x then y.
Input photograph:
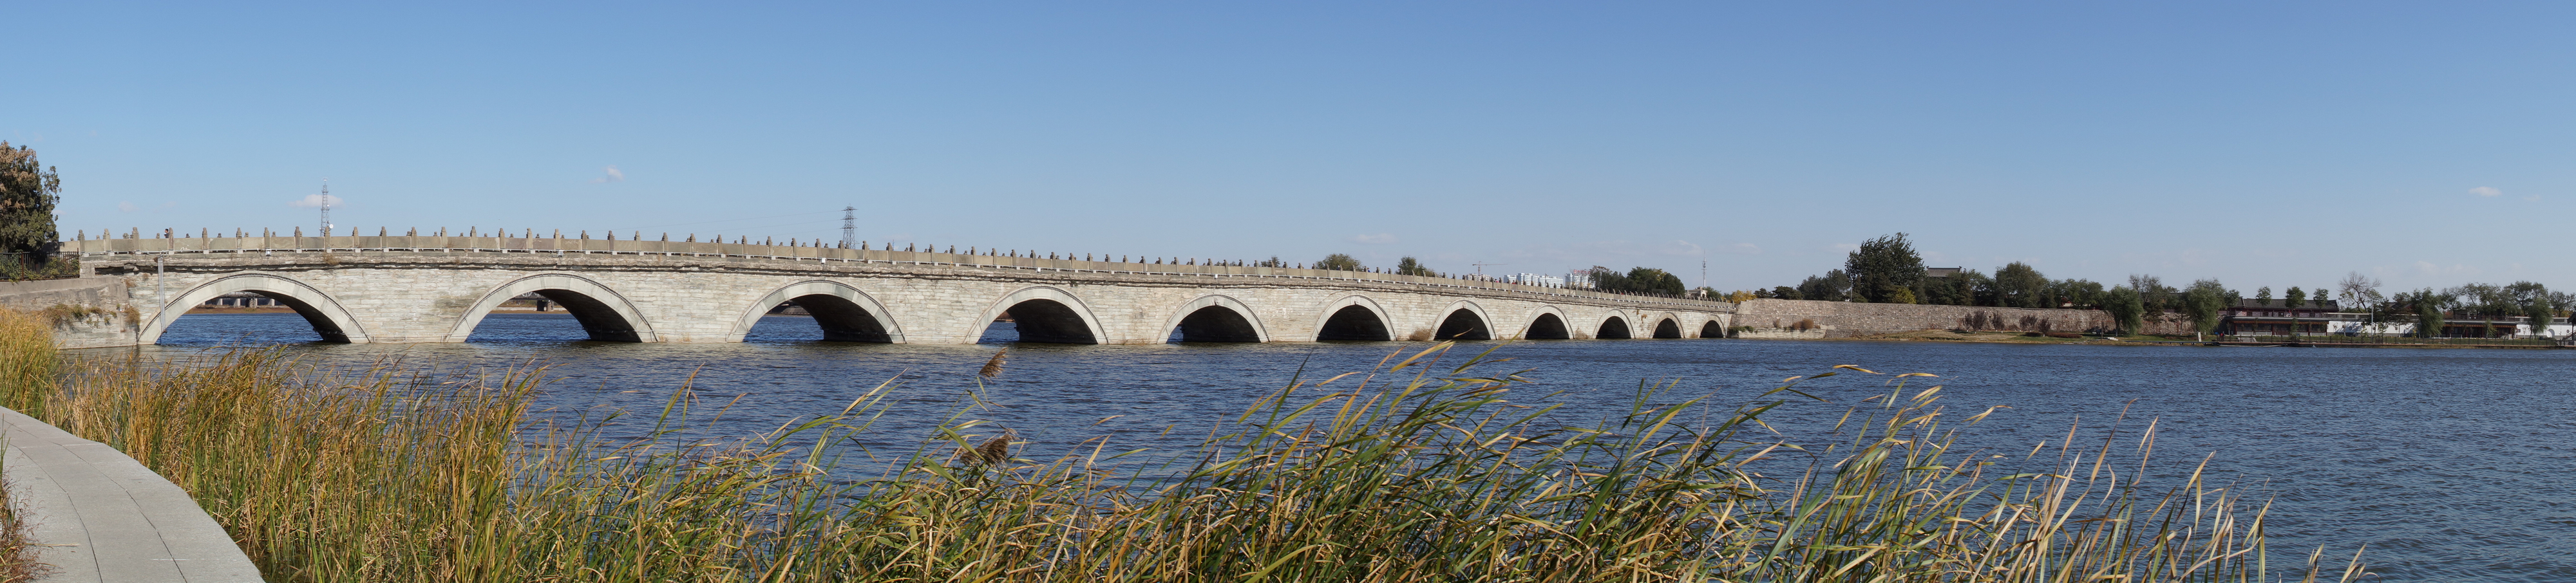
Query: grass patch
{"type": "Point", "coordinates": [1414, 472]}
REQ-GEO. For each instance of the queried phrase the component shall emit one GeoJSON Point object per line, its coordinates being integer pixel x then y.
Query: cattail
{"type": "Point", "coordinates": [993, 368]}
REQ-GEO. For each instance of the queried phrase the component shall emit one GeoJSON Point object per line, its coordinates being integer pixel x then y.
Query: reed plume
{"type": "Point", "coordinates": [993, 368]}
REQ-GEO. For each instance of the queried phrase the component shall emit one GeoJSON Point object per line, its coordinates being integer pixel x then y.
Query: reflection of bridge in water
{"type": "Point", "coordinates": [436, 289]}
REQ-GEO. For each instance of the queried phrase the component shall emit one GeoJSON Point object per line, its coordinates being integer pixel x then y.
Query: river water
{"type": "Point", "coordinates": [2451, 465]}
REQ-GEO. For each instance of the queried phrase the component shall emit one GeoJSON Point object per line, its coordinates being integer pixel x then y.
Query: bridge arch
{"type": "Point", "coordinates": [1668, 326]}
{"type": "Point", "coordinates": [1354, 317]}
{"type": "Point", "coordinates": [1044, 314]}
{"type": "Point", "coordinates": [328, 318]}
{"type": "Point", "coordinates": [845, 313]}
{"type": "Point", "coordinates": [1546, 323]}
{"type": "Point", "coordinates": [1464, 320]}
{"type": "Point", "coordinates": [1613, 328]}
{"type": "Point", "coordinates": [605, 314]}
{"type": "Point", "coordinates": [1216, 318]}
{"type": "Point", "coordinates": [1712, 329]}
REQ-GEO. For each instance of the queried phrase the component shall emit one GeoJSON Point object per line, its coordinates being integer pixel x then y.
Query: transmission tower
{"type": "Point", "coordinates": [326, 207]}
{"type": "Point", "coordinates": [849, 227]}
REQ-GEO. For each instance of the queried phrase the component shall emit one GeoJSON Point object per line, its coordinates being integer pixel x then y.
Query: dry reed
{"type": "Point", "coordinates": [19, 562]}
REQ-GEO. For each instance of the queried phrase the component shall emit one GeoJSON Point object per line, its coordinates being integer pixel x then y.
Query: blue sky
{"type": "Point", "coordinates": [2277, 145]}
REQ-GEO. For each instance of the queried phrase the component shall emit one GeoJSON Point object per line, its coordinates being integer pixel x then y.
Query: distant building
{"type": "Point", "coordinates": [1579, 279]}
{"type": "Point", "coordinates": [2257, 318]}
{"type": "Point", "coordinates": [2277, 318]}
{"type": "Point", "coordinates": [1535, 279]}
{"type": "Point", "coordinates": [241, 300]}
{"type": "Point", "coordinates": [1942, 271]}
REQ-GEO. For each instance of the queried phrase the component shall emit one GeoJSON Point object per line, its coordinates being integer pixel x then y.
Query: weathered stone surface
{"type": "Point", "coordinates": [709, 292]}
{"type": "Point", "coordinates": [87, 312]}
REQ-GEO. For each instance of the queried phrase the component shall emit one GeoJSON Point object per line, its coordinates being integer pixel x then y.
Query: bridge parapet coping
{"type": "Point", "coordinates": [790, 254]}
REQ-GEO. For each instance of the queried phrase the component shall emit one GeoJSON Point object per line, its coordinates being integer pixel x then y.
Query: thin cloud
{"type": "Point", "coordinates": [126, 207]}
{"type": "Point", "coordinates": [2488, 191]}
{"type": "Point", "coordinates": [314, 200]}
{"type": "Point", "coordinates": [1377, 239]}
{"type": "Point", "coordinates": [613, 175]}
{"type": "Point", "coordinates": [2532, 198]}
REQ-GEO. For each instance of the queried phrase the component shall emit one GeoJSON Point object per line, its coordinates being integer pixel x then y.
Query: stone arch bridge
{"type": "Point", "coordinates": [438, 288]}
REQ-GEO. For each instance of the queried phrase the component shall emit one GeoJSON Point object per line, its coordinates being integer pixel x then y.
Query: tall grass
{"type": "Point", "coordinates": [1413, 473]}
{"type": "Point", "coordinates": [27, 366]}
{"type": "Point", "coordinates": [18, 560]}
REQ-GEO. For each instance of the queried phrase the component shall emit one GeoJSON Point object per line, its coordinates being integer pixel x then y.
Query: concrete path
{"type": "Point", "coordinates": [101, 516]}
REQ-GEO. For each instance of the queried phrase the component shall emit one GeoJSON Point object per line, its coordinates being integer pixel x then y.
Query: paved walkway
{"type": "Point", "coordinates": [104, 517]}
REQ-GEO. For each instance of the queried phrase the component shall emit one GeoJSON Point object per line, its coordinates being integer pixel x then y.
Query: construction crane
{"type": "Point", "coordinates": [1480, 267]}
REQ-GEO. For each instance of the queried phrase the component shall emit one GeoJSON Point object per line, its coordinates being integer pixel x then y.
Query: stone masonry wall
{"type": "Point", "coordinates": [1844, 319]}
{"type": "Point", "coordinates": [88, 312]}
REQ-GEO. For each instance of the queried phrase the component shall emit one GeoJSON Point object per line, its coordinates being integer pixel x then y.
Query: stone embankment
{"type": "Point", "coordinates": [87, 312]}
{"type": "Point", "coordinates": [1783, 319]}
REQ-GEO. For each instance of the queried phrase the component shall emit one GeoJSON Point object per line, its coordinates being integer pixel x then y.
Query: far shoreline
{"type": "Point", "coordinates": [2142, 340]}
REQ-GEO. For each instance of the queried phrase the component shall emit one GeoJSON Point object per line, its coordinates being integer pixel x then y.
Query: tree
{"type": "Point", "coordinates": [1833, 286]}
{"type": "Point", "coordinates": [2127, 312]}
{"type": "Point", "coordinates": [2019, 286]}
{"type": "Point", "coordinates": [1608, 280]}
{"type": "Point", "coordinates": [1410, 266]}
{"type": "Point", "coordinates": [2427, 307]}
{"type": "Point", "coordinates": [2539, 312]}
{"type": "Point", "coordinates": [2206, 304]}
{"type": "Point", "coordinates": [2358, 290]}
{"type": "Point", "coordinates": [28, 192]}
{"type": "Point", "coordinates": [1339, 262]}
{"type": "Point", "coordinates": [1640, 280]}
{"type": "Point", "coordinates": [1648, 280]}
{"type": "Point", "coordinates": [2484, 300]}
{"type": "Point", "coordinates": [2079, 292]}
{"type": "Point", "coordinates": [1882, 267]}
{"type": "Point", "coordinates": [1982, 292]}
{"type": "Point", "coordinates": [2153, 292]}
{"type": "Point", "coordinates": [2294, 297]}
{"type": "Point", "coordinates": [1786, 293]}
{"type": "Point", "coordinates": [1969, 288]}
{"type": "Point", "coordinates": [2263, 296]}
{"type": "Point", "coordinates": [2428, 319]}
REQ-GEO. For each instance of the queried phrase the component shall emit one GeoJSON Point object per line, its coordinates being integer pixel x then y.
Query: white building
{"type": "Point", "coordinates": [1535, 279]}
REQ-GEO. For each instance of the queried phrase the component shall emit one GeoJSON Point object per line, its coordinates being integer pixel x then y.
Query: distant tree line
{"type": "Point", "coordinates": [1344, 262]}
{"type": "Point", "coordinates": [1637, 280]}
{"type": "Point", "coordinates": [1888, 270]}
